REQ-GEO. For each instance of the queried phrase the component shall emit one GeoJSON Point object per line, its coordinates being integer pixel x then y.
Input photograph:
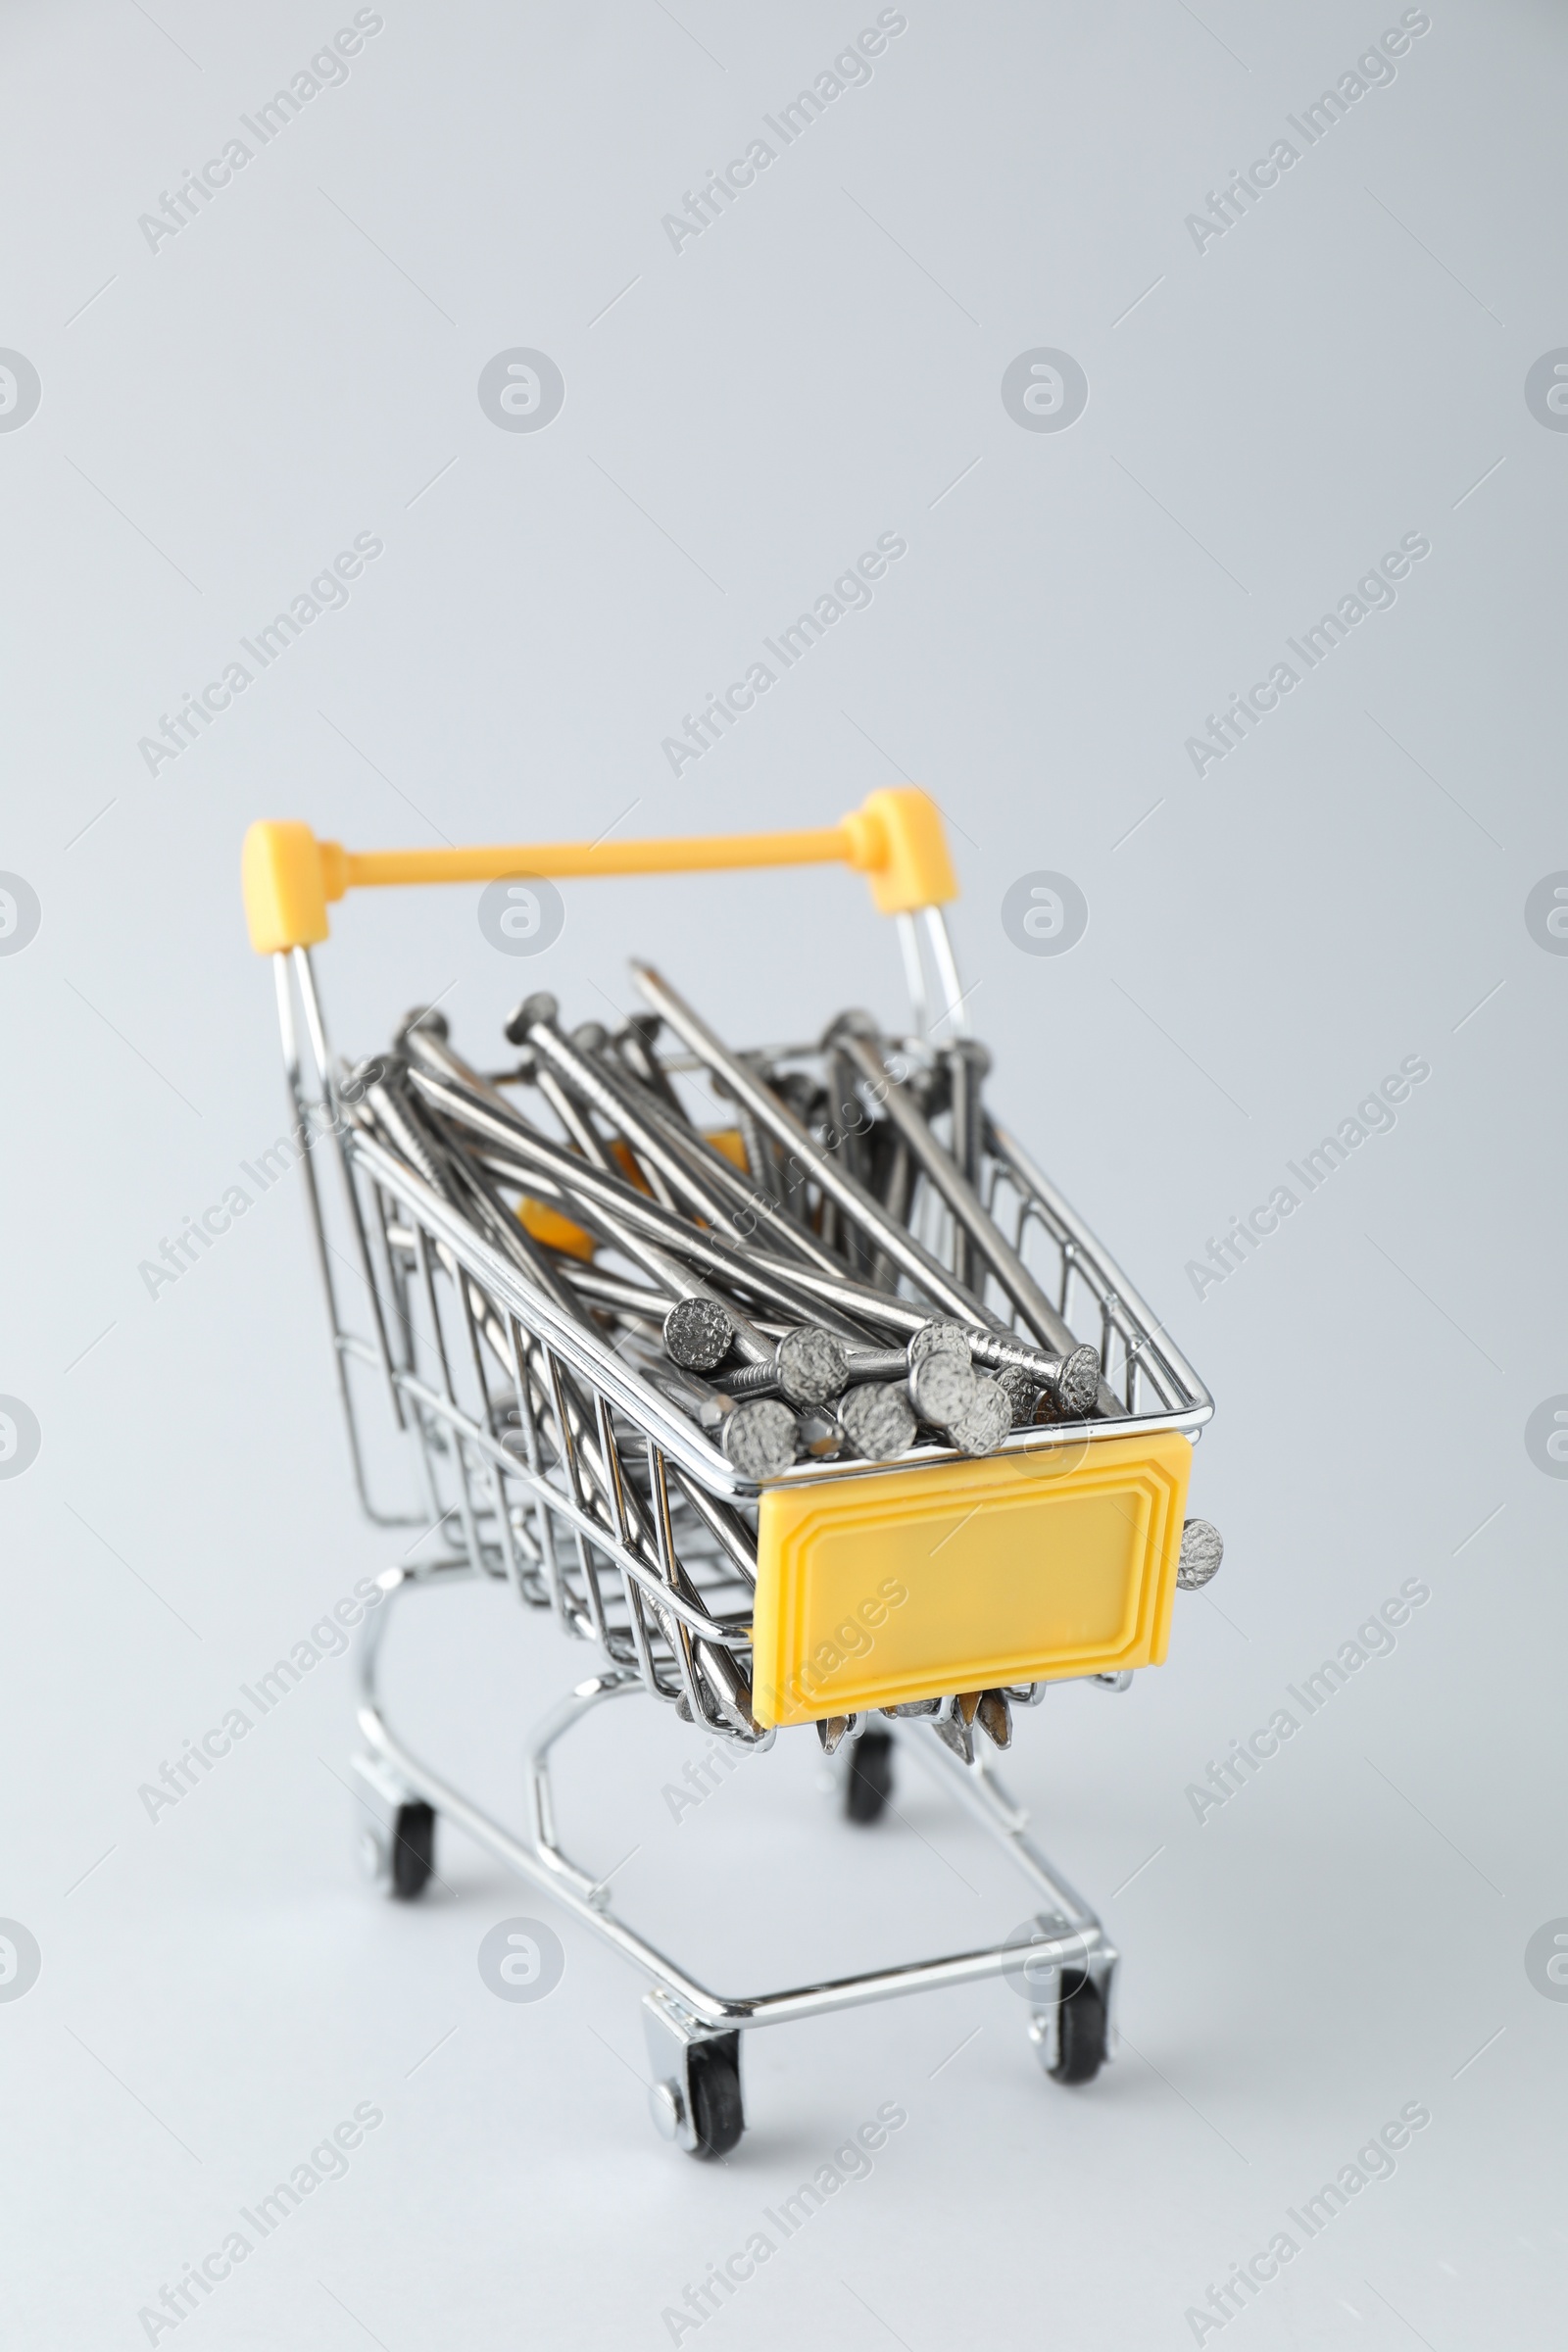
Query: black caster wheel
{"type": "Point", "coordinates": [715, 2074]}
{"type": "Point", "coordinates": [870, 1782]}
{"type": "Point", "coordinates": [412, 1851]}
{"type": "Point", "coordinates": [1080, 2034]}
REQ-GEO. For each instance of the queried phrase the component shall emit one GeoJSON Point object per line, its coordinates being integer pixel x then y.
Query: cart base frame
{"type": "Point", "coordinates": [688, 2026]}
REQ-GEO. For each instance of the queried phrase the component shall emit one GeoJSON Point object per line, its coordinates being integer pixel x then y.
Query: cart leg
{"type": "Point", "coordinates": [696, 2094]}
{"type": "Point", "coordinates": [869, 1775]}
{"type": "Point", "coordinates": [397, 1831]}
{"type": "Point", "coordinates": [1072, 2025]}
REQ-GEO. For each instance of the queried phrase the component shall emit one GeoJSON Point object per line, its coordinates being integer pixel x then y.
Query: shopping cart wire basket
{"type": "Point", "coordinates": [918, 1588]}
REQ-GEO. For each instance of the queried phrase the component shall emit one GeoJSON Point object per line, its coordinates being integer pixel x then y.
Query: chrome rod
{"type": "Point", "coordinates": [546, 1866]}
{"type": "Point", "coordinates": [961, 1197]}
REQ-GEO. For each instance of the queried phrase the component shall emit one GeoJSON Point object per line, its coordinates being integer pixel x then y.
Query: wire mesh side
{"type": "Point", "coordinates": [530, 1471]}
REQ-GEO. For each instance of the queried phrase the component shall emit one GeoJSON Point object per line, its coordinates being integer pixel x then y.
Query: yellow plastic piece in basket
{"type": "Point", "coordinates": [730, 1144]}
{"type": "Point", "coordinates": [548, 1225]}
{"type": "Point", "coordinates": [1018, 1568]}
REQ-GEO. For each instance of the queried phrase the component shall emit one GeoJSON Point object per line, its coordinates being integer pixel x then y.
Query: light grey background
{"type": "Point", "coordinates": [219, 418]}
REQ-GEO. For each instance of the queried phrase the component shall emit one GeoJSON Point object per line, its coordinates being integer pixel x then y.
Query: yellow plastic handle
{"type": "Point", "coordinates": [895, 839]}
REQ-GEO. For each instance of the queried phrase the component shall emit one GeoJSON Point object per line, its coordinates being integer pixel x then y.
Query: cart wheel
{"type": "Point", "coordinates": [1080, 2034]}
{"type": "Point", "coordinates": [869, 1783]}
{"type": "Point", "coordinates": [714, 2075]}
{"type": "Point", "coordinates": [412, 1851]}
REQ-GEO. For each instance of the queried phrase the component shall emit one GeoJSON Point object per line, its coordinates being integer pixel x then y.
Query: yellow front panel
{"type": "Point", "coordinates": [1018, 1568]}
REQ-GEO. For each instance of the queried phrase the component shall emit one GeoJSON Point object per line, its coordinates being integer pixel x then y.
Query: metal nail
{"type": "Point", "coordinates": [1202, 1549]}
{"type": "Point", "coordinates": [699, 1333]}
{"type": "Point", "coordinates": [809, 1365]}
{"type": "Point", "coordinates": [831, 1176]}
{"type": "Point", "coordinates": [634, 1044]}
{"type": "Point", "coordinates": [942, 1389]}
{"type": "Point", "coordinates": [967, 1063]}
{"type": "Point", "coordinates": [575, 1068]}
{"type": "Point", "coordinates": [986, 1418]}
{"type": "Point", "coordinates": [600, 1198]}
{"type": "Point", "coordinates": [523, 1155]}
{"type": "Point", "coordinates": [679, 1165]}
{"type": "Point", "coordinates": [961, 1195]}
{"type": "Point", "coordinates": [540, 1007]}
{"type": "Point", "coordinates": [876, 1363]}
{"type": "Point", "coordinates": [956, 1733]}
{"type": "Point", "coordinates": [877, 1419]}
{"type": "Point", "coordinates": [1072, 1380]}
{"type": "Point", "coordinates": [995, 1718]}
{"type": "Point", "coordinates": [611, 1291]}
{"type": "Point", "coordinates": [760, 1438]}
{"type": "Point", "coordinates": [1023, 1394]}
{"type": "Point", "coordinates": [939, 1339]}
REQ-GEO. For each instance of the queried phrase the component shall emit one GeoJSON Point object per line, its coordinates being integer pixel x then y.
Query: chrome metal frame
{"type": "Point", "coordinates": [583, 1488]}
{"type": "Point", "coordinates": [681, 2010]}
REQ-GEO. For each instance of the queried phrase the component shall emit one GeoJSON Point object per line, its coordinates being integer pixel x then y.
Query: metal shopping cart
{"type": "Point", "coordinates": [917, 1592]}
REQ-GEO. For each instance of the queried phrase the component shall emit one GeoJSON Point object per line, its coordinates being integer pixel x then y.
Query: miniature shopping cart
{"type": "Point", "coordinates": [916, 1599]}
